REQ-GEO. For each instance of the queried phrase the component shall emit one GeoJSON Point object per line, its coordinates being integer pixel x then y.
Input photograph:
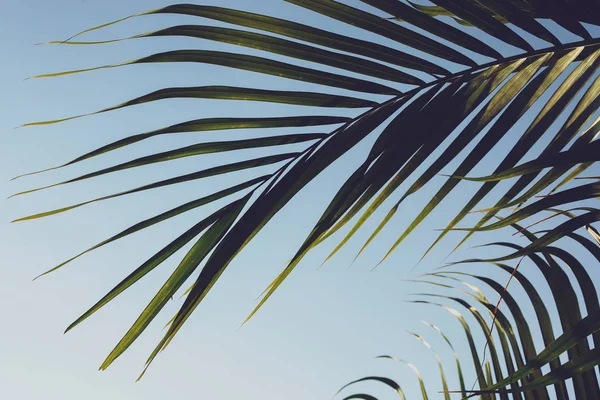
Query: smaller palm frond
{"type": "Point", "coordinates": [515, 360]}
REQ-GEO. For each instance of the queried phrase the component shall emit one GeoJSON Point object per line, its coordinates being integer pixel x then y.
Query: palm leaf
{"type": "Point", "coordinates": [527, 379]}
{"type": "Point", "coordinates": [447, 91]}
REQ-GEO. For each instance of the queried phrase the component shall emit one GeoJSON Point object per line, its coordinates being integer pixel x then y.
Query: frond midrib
{"type": "Point", "coordinates": [559, 50]}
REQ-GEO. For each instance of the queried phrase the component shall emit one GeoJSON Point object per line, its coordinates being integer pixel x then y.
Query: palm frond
{"type": "Point", "coordinates": [524, 376]}
{"type": "Point", "coordinates": [446, 87]}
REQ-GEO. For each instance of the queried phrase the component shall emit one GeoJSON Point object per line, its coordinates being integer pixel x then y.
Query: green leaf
{"type": "Point", "coordinates": [466, 98]}
{"type": "Point", "coordinates": [186, 267]}
{"type": "Point", "coordinates": [308, 166]}
{"type": "Point", "coordinates": [468, 11]}
{"type": "Point", "coordinates": [233, 93]}
{"type": "Point", "coordinates": [372, 23]}
{"type": "Point", "coordinates": [278, 46]}
{"type": "Point", "coordinates": [294, 30]}
{"type": "Point", "coordinates": [169, 214]}
{"type": "Point", "coordinates": [415, 370]}
{"type": "Point", "coordinates": [210, 124]}
{"type": "Point", "coordinates": [425, 21]}
{"type": "Point", "coordinates": [161, 256]}
{"type": "Point", "coordinates": [580, 331]}
{"type": "Point", "coordinates": [570, 369]}
{"type": "Point", "coordinates": [439, 362]}
{"type": "Point", "coordinates": [568, 308]}
{"type": "Point", "coordinates": [515, 110]}
{"type": "Point", "coordinates": [481, 379]}
{"type": "Point", "coordinates": [249, 63]}
{"type": "Point", "coordinates": [386, 381]}
{"type": "Point", "coordinates": [486, 115]}
{"type": "Point", "coordinates": [539, 306]}
{"type": "Point", "coordinates": [456, 106]}
{"type": "Point", "coordinates": [222, 169]}
{"type": "Point", "coordinates": [390, 148]}
{"type": "Point", "coordinates": [566, 158]}
{"type": "Point", "coordinates": [486, 332]}
{"type": "Point", "coordinates": [461, 379]}
{"type": "Point", "coordinates": [551, 110]}
{"type": "Point", "coordinates": [361, 396]}
{"type": "Point", "coordinates": [512, 14]}
{"type": "Point", "coordinates": [579, 193]}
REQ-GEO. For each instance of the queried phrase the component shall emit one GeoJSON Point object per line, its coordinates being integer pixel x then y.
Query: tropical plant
{"type": "Point", "coordinates": [522, 376]}
{"type": "Point", "coordinates": [459, 77]}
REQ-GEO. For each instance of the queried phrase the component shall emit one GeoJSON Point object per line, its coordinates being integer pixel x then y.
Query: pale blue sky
{"type": "Point", "coordinates": [320, 330]}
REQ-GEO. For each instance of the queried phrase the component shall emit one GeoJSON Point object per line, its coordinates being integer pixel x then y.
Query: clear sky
{"type": "Point", "coordinates": [320, 330]}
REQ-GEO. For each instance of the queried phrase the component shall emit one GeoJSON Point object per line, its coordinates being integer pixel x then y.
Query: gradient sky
{"type": "Point", "coordinates": [318, 332]}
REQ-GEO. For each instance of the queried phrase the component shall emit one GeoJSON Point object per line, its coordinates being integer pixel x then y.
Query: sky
{"type": "Point", "coordinates": [320, 330]}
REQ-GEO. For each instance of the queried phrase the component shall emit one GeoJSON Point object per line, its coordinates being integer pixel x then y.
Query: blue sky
{"type": "Point", "coordinates": [320, 330]}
